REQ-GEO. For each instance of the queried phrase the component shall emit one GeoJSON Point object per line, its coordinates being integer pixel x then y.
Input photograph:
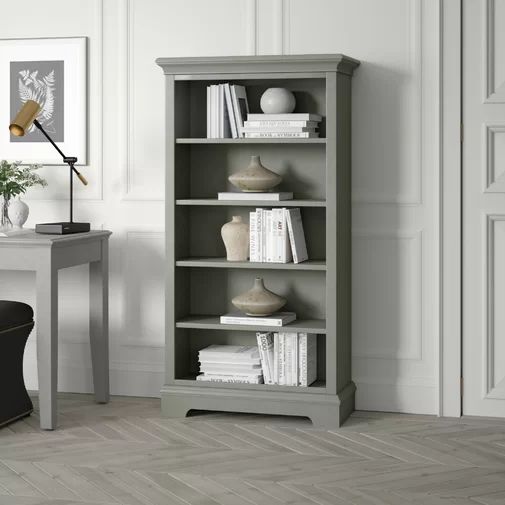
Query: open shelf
{"type": "Point", "coordinates": [224, 263]}
{"type": "Point", "coordinates": [251, 203]}
{"type": "Point", "coordinates": [318, 387]}
{"type": "Point", "coordinates": [276, 140]}
{"type": "Point", "coordinates": [205, 322]}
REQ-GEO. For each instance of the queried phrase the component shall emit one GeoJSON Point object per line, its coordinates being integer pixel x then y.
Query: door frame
{"type": "Point", "coordinates": [450, 237]}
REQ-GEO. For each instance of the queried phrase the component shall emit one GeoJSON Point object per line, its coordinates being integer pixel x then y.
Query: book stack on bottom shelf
{"type": "Point", "coordinates": [230, 363]}
{"type": "Point", "coordinates": [288, 359]}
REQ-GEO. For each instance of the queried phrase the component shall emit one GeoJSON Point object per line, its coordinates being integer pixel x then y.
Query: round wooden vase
{"type": "Point", "coordinates": [235, 236]}
{"type": "Point", "coordinates": [259, 301]}
{"type": "Point", "coordinates": [255, 177]}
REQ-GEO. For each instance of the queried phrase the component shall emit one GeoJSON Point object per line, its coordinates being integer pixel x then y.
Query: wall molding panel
{"type": "Point", "coordinates": [493, 92]}
{"type": "Point", "coordinates": [493, 180]}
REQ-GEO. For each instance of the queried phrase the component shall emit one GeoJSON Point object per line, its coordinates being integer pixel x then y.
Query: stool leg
{"type": "Point", "coordinates": [47, 344]}
{"type": "Point", "coordinates": [99, 323]}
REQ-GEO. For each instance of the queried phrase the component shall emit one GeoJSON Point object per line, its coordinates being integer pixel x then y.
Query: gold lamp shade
{"type": "Point", "coordinates": [24, 118]}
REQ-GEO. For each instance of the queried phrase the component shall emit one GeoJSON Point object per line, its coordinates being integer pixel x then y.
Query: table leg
{"type": "Point", "coordinates": [99, 323]}
{"type": "Point", "coordinates": [47, 344]}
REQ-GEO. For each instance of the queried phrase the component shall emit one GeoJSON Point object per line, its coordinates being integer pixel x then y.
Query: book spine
{"type": "Point", "coordinates": [302, 359]}
{"type": "Point", "coordinates": [282, 360]}
{"type": "Point", "coordinates": [208, 112]}
{"type": "Point", "coordinates": [276, 358]}
{"type": "Point", "coordinates": [300, 135]}
{"type": "Point", "coordinates": [257, 321]}
{"type": "Point", "coordinates": [291, 236]}
{"type": "Point", "coordinates": [288, 358]}
{"type": "Point", "coordinates": [264, 234]}
{"type": "Point", "coordinates": [235, 379]}
{"type": "Point", "coordinates": [280, 124]}
{"type": "Point", "coordinates": [270, 237]}
{"type": "Point", "coordinates": [286, 245]}
{"type": "Point", "coordinates": [279, 129]}
{"type": "Point", "coordinates": [231, 114]}
{"type": "Point", "coordinates": [263, 348]}
{"type": "Point", "coordinates": [252, 237]}
{"type": "Point", "coordinates": [259, 235]}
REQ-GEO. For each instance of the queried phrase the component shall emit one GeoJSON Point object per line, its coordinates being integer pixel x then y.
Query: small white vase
{"type": "Point", "coordinates": [277, 101]}
{"type": "Point", "coordinates": [235, 236]}
{"type": "Point", "coordinates": [18, 213]}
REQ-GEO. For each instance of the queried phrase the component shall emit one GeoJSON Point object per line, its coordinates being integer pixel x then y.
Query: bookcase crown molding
{"type": "Point", "coordinates": [259, 64]}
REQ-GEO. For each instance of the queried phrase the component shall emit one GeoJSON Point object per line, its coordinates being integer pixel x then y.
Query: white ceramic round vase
{"type": "Point", "coordinates": [277, 101]}
{"type": "Point", "coordinates": [235, 236]}
{"type": "Point", "coordinates": [18, 213]}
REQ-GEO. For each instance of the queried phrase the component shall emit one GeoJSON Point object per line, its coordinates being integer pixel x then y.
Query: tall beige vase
{"type": "Point", "coordinates": [235, 236]}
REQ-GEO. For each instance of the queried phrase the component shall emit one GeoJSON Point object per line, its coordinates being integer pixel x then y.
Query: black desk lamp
{"type": "Point", "coordinates": [23, 120]}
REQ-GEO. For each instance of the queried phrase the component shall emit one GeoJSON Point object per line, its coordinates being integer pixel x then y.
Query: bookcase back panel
{"type": "Point", "coordinates": [199, 234]}
{"type": "Point", "coordinates": [302, 168]}
{"type": "Point", "coordinates": [194, 340]}
{"type": "Point", "coordinates": [213, 289]}
{"type": "Point", "coordinates": [191, 100]}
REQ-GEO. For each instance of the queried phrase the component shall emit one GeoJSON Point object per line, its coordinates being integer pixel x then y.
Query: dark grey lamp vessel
{"type": "Point", "coordinates": [200, 282]}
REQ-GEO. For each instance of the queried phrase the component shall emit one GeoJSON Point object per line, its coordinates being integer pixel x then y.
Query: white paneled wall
{"type": "Point", "coordinates": [395, 175]}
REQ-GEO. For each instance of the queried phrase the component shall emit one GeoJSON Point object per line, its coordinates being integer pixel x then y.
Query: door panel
{"type": "Point", "coordinates": [484, 207]}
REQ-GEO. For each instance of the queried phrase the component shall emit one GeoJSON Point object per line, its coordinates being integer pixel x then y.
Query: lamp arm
{"type": "Point", "coordinates": [69, 161]}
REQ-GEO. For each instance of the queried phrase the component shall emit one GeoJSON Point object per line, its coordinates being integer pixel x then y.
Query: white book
{"type": "Point", "coordinates": [237, 352]}
{"type": "Point", "coordinates": [282, 360]}
{"type": "Point", "coordinates": [277, 319]}
{"type": "Point", "coordinates": [230, 379]}
{"type": "Point", "coordinates": [253, 245]}
{"type": "Point", "coordinates": [214, 106]}
{"type": "Point", "coordinates": [240, 106]}
{"type": "Point", "coordinates": [226, 127]}
{"type": "Point", "coordinates": [295, 358]}
{"type": "Point", "coordinates": [296, 235]}
{"type": "Point", "coordinates": [259, 234]}
{"type": "Point", "coordinates": [231, 368]}
{"type": "Point", "coordinates": [288, 358]}
{"type": "Point", "coordinates": [229, 109]}
{"type": "Point", "coordinates": [220, 110]}
{"type": "Point", "coordinates": [230, 360]}
{"type": "Point", "coordinates": [276, 124]}
{"type": "Point", "coordinates": [272, 197]}
{"type": "Point", "coordinates": [280, 135]}
{"type": "Point", "coordinates": [277, 217]}
{"type": "Point", "coordinates": [287, 255]}
{"type": "Point", "coordinates": [278, 129]}
{"type": "Point", "coordinates": [208, 112]}
{"type": "Point", "coordinates": [265, 345]}
{"type": "Point", "coordinates": [293, 116]}
{"type": "Point", "coordinates": [264, 234]}
{"type": "Point", "coordinates": [307, 365]}
{"type": "Point", "coordinates": [269, 251]}
{"type": "Point", "coordinates": [276, 358]}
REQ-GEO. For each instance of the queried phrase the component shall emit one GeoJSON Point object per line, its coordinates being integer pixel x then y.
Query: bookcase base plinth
{"type": "Point", "coordinates": [325, 411]}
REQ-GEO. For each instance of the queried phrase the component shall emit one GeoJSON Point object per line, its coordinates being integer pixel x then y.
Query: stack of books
{"type": "Point", "coordinates": [227, 109]}
{"type": "Point", "coordinates": [288, 359]}
{"type": "Point", "coordinates": [230, 363]}
{"type": "Point", "coordinates": [295, 125]}
{"type": "Point", "coordinates": [277, 236]}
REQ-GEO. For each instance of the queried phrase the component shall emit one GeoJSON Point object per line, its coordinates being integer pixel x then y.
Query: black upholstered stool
{"type": "Point", "coordinates": [16, 323]}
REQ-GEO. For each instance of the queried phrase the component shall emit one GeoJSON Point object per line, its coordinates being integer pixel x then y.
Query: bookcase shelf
{"type": "Point", "coordinates": [251, 141]}
{"type": "Point", "coordinates": [223, 263]}
{"type": "Point", "coordinates": [204, 322]}
{"type": "Point", "coordinates": [250, 203]}
{"type": "Point", "coordinates": [200, 283]}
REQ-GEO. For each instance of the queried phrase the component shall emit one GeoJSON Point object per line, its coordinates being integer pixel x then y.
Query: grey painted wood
{"type": "Point", "coordinates": [251, 203]}
{"type": "Point", "coordinates": [200, 283]}
{"type": "Point", "coordinates": [223, 263]}
{"type": "Point", "coordinates": [46, 255]}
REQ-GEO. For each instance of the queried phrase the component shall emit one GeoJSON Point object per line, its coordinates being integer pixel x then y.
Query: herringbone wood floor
{"type": "Point", "coordinates": [126, 453]}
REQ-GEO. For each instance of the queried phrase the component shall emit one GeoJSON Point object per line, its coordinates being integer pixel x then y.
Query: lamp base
{"type": "Point", "coordinates": [62, 228]}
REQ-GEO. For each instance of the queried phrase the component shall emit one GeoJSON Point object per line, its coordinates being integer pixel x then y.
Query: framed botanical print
{"type": "Point", "coordinates": [52, 72]}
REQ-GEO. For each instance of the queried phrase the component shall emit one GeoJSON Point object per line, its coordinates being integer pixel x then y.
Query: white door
{"type": "Point", "coordinates": [484, 207]}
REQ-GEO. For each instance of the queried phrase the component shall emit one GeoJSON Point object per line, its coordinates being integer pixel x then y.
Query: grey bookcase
{"type": "Point", "coordinates": [201, 283]}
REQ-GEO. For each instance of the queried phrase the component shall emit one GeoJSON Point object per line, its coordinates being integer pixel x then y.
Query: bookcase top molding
{"type": "Point", "coordinates": [259, 64]}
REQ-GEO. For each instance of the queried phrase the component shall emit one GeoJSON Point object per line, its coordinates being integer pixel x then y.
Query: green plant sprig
{"type": "Point", "coordinates": [15, 179]}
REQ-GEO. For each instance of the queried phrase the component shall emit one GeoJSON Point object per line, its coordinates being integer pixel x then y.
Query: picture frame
{"type": "Point", "coordinates": [51, 71]}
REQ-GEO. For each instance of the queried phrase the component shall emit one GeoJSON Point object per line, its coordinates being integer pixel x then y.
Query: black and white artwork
{"type": "Point", "coordinates": [42, 82]}
{"type": "Point", "coordinates": [51, 72]}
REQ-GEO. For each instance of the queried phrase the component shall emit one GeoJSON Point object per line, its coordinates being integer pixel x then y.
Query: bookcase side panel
{"type": "Point", "coordinates": [343, 248]}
